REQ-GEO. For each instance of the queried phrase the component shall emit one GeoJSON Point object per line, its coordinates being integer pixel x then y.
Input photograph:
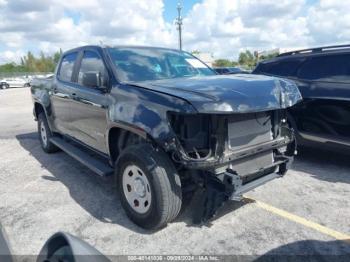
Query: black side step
{"type": "Point", "coordinates": [96, 165]}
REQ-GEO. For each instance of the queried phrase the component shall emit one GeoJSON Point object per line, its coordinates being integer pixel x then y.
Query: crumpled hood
{"type": "Point", "coordinates": [230, 93]}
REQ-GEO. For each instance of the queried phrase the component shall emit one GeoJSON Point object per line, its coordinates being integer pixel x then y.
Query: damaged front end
{"type": "Point", "coordinates": [223, 156]}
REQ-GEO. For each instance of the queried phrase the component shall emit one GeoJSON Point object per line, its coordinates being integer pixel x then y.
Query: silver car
{"type": "Point", "coordinates": [14, 82]}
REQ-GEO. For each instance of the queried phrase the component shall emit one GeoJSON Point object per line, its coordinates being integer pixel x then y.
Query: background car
{"type": "Point", "coordinates": [230, 70]}
{"type": "Point", "coordinates": [323, 78]}
{"type": "Point", "coordinates": [14, 82]}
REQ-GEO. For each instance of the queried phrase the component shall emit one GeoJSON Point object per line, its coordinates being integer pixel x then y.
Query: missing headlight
{"type": "Point", "coordinates": [193, 132]}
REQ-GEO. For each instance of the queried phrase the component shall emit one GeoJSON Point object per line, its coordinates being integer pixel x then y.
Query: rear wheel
{"type": "Point", "coordinates": [45, 135]}
{"type": "Point", "coordinates": [149, 186]}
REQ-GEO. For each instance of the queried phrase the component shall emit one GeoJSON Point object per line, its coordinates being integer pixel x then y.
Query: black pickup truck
{"type": "Point", "coordinates": [166, 125]}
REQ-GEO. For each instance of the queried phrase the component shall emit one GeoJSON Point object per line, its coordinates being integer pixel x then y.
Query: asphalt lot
{"type": "Point", "coordinates": [306, 212]}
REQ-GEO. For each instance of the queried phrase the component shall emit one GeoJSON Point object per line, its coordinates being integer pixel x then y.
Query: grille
{"type": "Point", "coordinates": [252, 130]}
{"type": "Point", "coordinates": [246, 131]}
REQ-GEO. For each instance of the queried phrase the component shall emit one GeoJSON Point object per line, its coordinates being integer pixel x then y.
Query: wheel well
{"type": "Point", "coordinates": [38, 108]}
{"type": "Point", "coordinates": [119, 138]}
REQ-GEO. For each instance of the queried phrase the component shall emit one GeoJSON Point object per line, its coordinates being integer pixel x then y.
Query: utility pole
{"type": "Point", "coordinates": [179, 24]}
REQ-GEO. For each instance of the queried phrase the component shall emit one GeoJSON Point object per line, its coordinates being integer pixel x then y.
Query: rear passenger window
{"type": "Point", "coordinates": [280, 68]}
{"type": "Point", "coordinates": [91, 65]}
{"type": "Point", "coordinates": [67, 65]}
{"type": "Point", "coordinates": [326, 68]}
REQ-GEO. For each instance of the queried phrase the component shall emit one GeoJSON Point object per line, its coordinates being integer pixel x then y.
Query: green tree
{"type": "Point", "coordinates": [269, 56]}
{"type": "Point", "coordinates": [224, 63]}
{"type": "Point", "coordinates": [247, 59]}
{"type": "Point", "coordinates": [31, 63]}
{"type": "Point", "coordinates": [57, 56]}
{"type": "Point", "coordinates": [195, 52]}
{"type": "Point", "coordinates": [11, 67]}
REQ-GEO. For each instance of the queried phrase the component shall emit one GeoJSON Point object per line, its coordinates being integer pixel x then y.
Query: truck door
{"type": "Point", "coordinates": [90, 102]}
{"type": "Point", "coordinates": [62, 91]}
{"type": "Point", "coordinates": [325, 115]}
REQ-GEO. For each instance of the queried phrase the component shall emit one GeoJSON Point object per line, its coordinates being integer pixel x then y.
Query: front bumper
{"type": "Point", "coordinates": [237, 195]}
{"type": "Point", "coordinates": [220, 180]}
{"type": "Point", "coordinates": [241, 185]}
{"type": "Point", "coordinates": [214, 190]}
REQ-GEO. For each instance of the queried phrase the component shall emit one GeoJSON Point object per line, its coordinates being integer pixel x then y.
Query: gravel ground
{"type": "Point", "coordinates": [41, 194]}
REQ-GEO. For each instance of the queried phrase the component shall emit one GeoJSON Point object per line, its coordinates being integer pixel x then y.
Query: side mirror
{"type": "Point", "coordinates": [65, 247]}
{"type": "Point", "coordinates": [91, 79]}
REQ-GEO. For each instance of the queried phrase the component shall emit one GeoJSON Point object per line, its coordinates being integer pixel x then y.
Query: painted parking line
{"type": "Point", "coordinates": [300, 220]}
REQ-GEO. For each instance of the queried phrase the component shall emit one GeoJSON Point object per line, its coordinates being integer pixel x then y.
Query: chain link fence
{"type": "Point", "coordinates": [23, 74]}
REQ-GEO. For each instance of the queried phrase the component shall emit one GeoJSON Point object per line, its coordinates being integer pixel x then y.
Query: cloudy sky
{"type": "Point", "coordinates": [221, 27]}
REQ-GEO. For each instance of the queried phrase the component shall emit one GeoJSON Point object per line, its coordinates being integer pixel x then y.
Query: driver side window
{"type": "Point", "coordinates": [92, 72]}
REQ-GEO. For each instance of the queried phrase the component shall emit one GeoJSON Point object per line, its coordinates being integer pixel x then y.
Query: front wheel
{"type": "Point", "coordinates": [5, 86]}
{"type": "Point", "coordinates": [149, 186]}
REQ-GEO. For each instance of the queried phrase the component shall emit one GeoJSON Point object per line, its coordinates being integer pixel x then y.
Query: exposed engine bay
{"type": "Point", "coordinates": [228, 155]}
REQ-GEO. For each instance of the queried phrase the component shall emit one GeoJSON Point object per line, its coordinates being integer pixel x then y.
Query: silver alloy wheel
{"type": "Point", "coordinates": [136, 189]}
{"type": "Point", "coordinates": [43, 133]}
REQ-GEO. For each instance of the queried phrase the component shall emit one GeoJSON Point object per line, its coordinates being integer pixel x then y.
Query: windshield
{"type": "Point", "coordinates": [142, 64]}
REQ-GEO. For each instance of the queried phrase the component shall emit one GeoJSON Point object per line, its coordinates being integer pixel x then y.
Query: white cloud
{"type": "Point", "coordinates": [10, 56]}
{"type": "Point", "coordinates": [329, 22]}
{"type": "Point", "coordinates": [222, 27]}
{"type": "Point", "coordinates": [227, 26]}
{"type": "Point", "coordinates": [46, 24]}
{"type": "Point", "coordinates": [13, 40]}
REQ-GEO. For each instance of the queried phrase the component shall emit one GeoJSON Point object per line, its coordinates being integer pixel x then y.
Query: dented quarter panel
{"type": "Point", "coordinates": [40, 90]}
{"type": "Point", "coordinates": [144, 111]}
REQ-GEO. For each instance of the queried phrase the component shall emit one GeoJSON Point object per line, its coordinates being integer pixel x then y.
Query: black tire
{"type": "Point", "coordinates": [46, 144]}
{"type": "Point", "coordinates": [5, 86]}
{"type": "Point", "coordinates": [165, 185]}
{"type": "Point", "coordinates": [293, 125]}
